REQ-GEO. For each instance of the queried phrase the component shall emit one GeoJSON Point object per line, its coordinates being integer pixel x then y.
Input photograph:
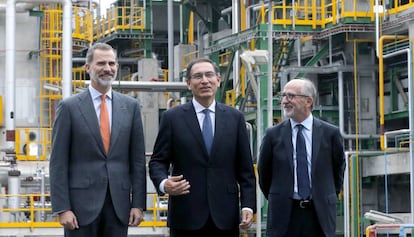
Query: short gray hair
{"type": "Point", "coordinates": [100, 46]}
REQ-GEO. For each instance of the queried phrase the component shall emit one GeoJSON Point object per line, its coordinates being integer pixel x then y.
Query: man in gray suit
{"type": "Point", "coordinates": [98, 188]}
{"type": "Point", "coordinates": [301, 193]}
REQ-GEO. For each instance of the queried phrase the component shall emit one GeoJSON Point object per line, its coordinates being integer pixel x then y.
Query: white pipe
{"type": "Point", "coordinates": [10, 60]}
{"type": "Point", "coordinates": [67, 49]}
{"type": "Point", "coordinates": [270, 67]}
{"type": "Point", "coordinates": [19, 7]}
{"type": "Point", "coordinates": [158, 86]}
{"type": "Point", "coordinates": [393, 133]}
{"type": "Point", "coordinates": [170, 41]}
{"type": "Point", "coordinates": [376, 9]}
{"type": "Point", "coordinates": [254, 8]}
{"type": "Point", "coordinates": [410, 117]}
{"type": "Point", "coordinates": [10, 69]}
{"type": "Point", "coordinates": [293, 14]}
{"type": "Point", "coordinates": [346, 192]}
{"type": "Point", "coordinates": [236, 60]}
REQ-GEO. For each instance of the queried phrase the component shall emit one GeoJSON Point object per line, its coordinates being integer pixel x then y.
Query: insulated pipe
{"type": "Point", "coordinates": [377, 34]}
{"type": "Point", "coordinates": [170, 41]}
{"type": "Point", "coordinates": [19, 7]}
{"type": "Point", "coordinates": [236, 60]}
{"type": "Point", "coordinates": [10, 70]}
{"type": "Point", "coordinates": [67, 49]}
{"type": "Point", "coordinates": [158, 86]}
{"type": "Point", "coordinates": [270, 66]}
{"type": "Point", "coordinates": [10, 60]}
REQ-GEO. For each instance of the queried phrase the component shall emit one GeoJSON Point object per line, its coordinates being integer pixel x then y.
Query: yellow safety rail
{"type": "Point", "coordinates": [230, 98]}
{"type": "Point", "coordinates": [224, 58]}
{"type": "Point", "coordinates": [396, 6]}
{"type": "Point", "coordinates": [305, 14]}
{"type": "Point", "coordinates": [82, 28]}
{"type": "Point", "coordinates": [187, 58]}
{"type": "Point", "coordinates": [50, 90]}
{"type": "Point", "coordinates": [36, 212]}
{"type": "Point", "coordinates": [119, 20]}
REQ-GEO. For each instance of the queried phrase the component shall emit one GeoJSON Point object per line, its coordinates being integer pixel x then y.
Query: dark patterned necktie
{"type": "Point", "coordinates": [302, 165]}
{"type": "Point", "coordinates": [207, 130]}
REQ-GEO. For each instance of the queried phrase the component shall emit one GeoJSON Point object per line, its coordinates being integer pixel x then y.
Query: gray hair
{"type": "Point", "coordinates": [99, 46]}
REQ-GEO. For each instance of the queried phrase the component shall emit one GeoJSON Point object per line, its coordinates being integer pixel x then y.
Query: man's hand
{"type": "Point", "coordinates": [136, 216]}
{"type": "Point", "coordinates": [177, 185]}
{"type": "Point", "coordinates": [68, 220]}
{"type": "Point", "coordinates": [247, 220]}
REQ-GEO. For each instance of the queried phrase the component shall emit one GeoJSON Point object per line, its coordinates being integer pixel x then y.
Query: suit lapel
{"type": "Point", "coordinates": [87, 110]}
{"type": "Point", "coordinates": [317, 133]}
{"type": "Point", "coordinates": [190, 118]}
{"type": "Point", "coordinates": [118, 110]}
{"type": "Point", "coordinates": [220, 126]}
{"type": "Point", "coordinates": [287, 133]}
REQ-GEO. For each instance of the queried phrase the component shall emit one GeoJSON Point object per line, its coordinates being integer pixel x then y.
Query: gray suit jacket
{"type": "Point", "coordinates": [276, 176]}
{"type": "Point", "coordinates": [81, 172]}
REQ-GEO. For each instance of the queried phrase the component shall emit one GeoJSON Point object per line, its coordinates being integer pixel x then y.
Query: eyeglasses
{"type": "Point", "coordinates": [290, 96]}
{"type": "Point", "coordinates": [200, 75]}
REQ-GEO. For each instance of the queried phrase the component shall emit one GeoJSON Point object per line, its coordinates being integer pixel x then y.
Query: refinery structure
{"type": "Point", "coordinates": [359, 53]}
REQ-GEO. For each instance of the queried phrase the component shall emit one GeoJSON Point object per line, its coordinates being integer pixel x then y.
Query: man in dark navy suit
{"type": "Point", "coordinates": [302, 198]}
{"type": "Point", "coordinates": [207, 145]}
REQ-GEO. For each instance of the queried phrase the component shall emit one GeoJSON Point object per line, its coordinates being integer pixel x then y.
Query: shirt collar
{"type": "Point", "coordinates": [95, 93]}
{"type": "Point", "coordinates": [198, 107]}
{"type": "Point", "coordinates": [307, 123]}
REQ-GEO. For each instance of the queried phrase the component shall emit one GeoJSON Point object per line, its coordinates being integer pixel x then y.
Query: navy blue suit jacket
{"type": "Point", "coordinates": [276, 175]}
{"type": "Point", "coordinates": [219, 183]}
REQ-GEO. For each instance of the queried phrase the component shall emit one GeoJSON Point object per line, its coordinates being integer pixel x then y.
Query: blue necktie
{"type": "Point", "coordinates": [207, 130]}
{"type": "Point", "coordinates": [302, 165]}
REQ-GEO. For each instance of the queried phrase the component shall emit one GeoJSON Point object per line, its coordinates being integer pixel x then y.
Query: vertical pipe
{"type": "Point", "coordinates": [170, 41]}
{"type": "Point", "coordinates": [13, 186]}
{"type": "Point", "coordinates": [376, 7]}
{"type": "Point", "coordinates": [67, 49]}
{"type": "Point", "coordinates": [236, 60]}
{"type": "Point", "coordinates": [200, 39]}
{"type": "Point", "coordinates": [346, 196]}
{"type": "Point", "coordinates": [270, 67]}
{"type": "Point", "coordinates": [293, 14]}
{"type": "Point", "coordinates": [10, 70]}
{"type": "Point", "coordinates": [411, 123]}
{"type": "Point", "coordinates": [299, 55]}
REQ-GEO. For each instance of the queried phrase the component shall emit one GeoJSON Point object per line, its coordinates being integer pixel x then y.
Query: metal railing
{"type": "Point", "coordinates": [34, 211]}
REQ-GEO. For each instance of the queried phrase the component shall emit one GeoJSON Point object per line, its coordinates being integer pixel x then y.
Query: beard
{"type": "Point", "coordinates": [102, 81]}
{"type": "Point", "coordinates": [288, 113]}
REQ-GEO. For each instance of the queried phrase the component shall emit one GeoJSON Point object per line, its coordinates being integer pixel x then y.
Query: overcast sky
{"type": "Point", "coordinates": [105, 4]}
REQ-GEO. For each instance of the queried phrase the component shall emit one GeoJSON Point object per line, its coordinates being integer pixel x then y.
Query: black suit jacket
{"type": "Point", "coordinates": [276, 175]}
{"type": "Point", "coordinates": [216, 180]}
{"type": "Point", "coordinates": [81, 171]}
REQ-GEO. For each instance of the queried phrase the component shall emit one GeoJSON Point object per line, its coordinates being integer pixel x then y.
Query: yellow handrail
{"type": "Point", "coordinates": [36, 212]}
